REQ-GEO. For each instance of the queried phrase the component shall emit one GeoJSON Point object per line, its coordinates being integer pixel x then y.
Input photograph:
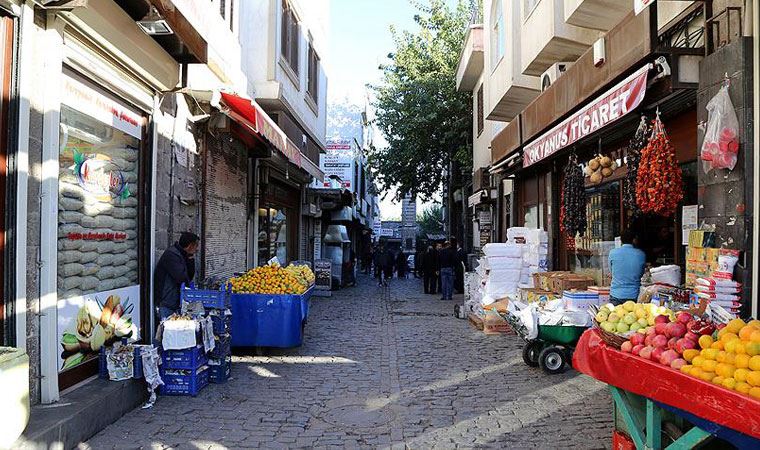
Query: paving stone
{"type": "Point", "coordinates": [381, 368]}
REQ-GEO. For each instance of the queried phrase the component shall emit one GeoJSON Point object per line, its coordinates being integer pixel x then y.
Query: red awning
{"type": "Point", "coordinates": [247, 113]}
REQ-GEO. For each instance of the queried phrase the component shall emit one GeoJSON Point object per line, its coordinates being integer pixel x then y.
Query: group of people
{"type": "Point", "coordinates": [443, 267]}
{"type": "Point", "coordinates": [386, 262]}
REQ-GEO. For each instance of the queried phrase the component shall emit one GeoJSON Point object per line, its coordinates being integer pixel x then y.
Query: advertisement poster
{"type": "Point", "coordinates": [323, 274]}
{"type": "Point", "coordinates": [88, 322]}
{"type": "Point", "coordinates": [338, 162]}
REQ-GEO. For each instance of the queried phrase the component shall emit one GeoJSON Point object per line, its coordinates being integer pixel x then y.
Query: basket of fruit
{"type": "Point", "coordinates": [617, 323]}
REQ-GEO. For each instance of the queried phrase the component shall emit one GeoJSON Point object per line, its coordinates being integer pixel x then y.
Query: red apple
{"type": "Point", "coordinates": [660, 341]}
{"type": "Point", "coordinates": [684, 344]}
{"type": "Point", "coordinates": [660, 328]}
{"type": "Point", "coordinates": [657, 353]}
{"type": "Point", "coordinates": [637, 338]}
{"type": "Point", "coordinates": [675, 329]}
{"type": "Point", "coordinates": [672, 343]}
{"type": "Point", "coordinates": [646, 352]}
{"type": "Point", "coordinates": [636, 349]}
{"type": "Point", "coordinates": [626, 346]}
{"type": "Point", "coordinates": [661, 319]}
{"type": "Point", "coordinates": [678, 363]}
{"type": "Point", "coordinates": [648, 339]}
{"type": "Point", "coordinates": [668, 356]}
{"type": "Point", "coordinates": [691, 336]}
{"type": "Point", "coordinates": [684, 317]}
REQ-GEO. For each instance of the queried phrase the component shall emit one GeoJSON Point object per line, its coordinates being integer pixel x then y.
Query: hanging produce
{"type": "Point", "coordinates": [721, 145]}
{"type": "Point", "coordinates": [633, 158]}
{"type": "Point", "coordinates": [659, 188]}
{"type": "Point", "coordinates": [599, 168]}
{"type": "Point", "coordinates": [573, 211]}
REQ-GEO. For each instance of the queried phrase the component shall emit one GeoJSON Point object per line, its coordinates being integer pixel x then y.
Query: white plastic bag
{"type": "Point", "coordinates": [178, 334]}
{"type": "Point", "coordinates": [721, 144]}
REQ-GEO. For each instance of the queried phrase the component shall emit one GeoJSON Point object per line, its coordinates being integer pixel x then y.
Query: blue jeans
{"type": "Point", "coordinates": [447, 282]}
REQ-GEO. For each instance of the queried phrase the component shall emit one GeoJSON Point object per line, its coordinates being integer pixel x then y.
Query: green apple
{"type": "Point", "coordinates": [643, 322]}
{"type": "Point", "coordinates": [629, 305]}
{"type": "Point", "coordinates": [629, 318]}
{"type": "Point", "coordinates": [635, 326]}
{"type": "Point", "coordinates": [614, 318]}
{"type": "Point", "coordinates": [622, 327]}
{"type": "Point", "coordinates": [601, 316]}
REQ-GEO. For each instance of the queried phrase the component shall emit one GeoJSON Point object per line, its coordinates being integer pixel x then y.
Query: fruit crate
{"type": "Point", "coordinates": [222, 323]}
{"type": "Point", "coordinates": [103, 363]}
{"type": "Point", "coordinates": [211, 299]}
{"type": "Point", "coordinates": [221, 347]}
{"type": "Point", "coordinates": [184, 382]}
{"type": "Point", "coordinates": [220, 373]}
{"type": "Point", "coordinates": [187, 359]}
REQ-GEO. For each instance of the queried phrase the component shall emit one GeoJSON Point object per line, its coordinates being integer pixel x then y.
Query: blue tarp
{"type": "Point", "coordinates": [269, 320]}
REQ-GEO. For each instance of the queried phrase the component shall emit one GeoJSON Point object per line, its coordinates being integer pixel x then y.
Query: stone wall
{"type": "Point", "coordinates": [725, 197]}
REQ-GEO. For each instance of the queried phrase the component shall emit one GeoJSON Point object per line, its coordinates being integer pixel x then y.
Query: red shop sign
{"type": "Point", "coordinates": [614, 104]}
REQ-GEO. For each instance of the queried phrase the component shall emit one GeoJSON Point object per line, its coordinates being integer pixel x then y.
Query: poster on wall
{"type": "Point", "coordinates": [88, 322]}
{"type": "Point", "coordinates": [323, 274]}
{"type": "Point", "coordinates": [338, 162]}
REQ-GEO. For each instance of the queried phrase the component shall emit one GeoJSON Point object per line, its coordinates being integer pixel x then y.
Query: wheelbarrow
{"type": "Point", "coordinates": [553, 349]}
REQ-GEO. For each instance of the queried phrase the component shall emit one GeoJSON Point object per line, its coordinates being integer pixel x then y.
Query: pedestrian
{"type": "Point", "coordinates": [447, 260]}
{"type": "Point", "coordinates": [627, 267]}
{"type": "Point", "coordinates": [460, 267]}
{"type": "Point", "coordinates": [430, 270]}
{"type": "Point", "coordinates": [438, 250]}
{"type": "Point", "coordinates": [418, 262]}
{"type": "Point", "coordinates": [378, 257]}
{"type": "Point", "coordinates": [388, 264]}
{"type": "Point", "coordinates": [401, 265]}
{"type": "Point", "coordinates": [175, 267]}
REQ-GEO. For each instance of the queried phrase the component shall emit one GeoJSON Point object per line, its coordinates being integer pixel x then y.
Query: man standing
{"type": "Point", "coordinates": [447, 259]}
{"type": "Point", "coordinates": [430, 270]}
{"type": "Point", "coordinates": [627, 267]}
{"type": "Point", "coordinates": [175, 267]}
{"type": "Point", "coordinates": [460, 267]}
{"type": "Point", "coordinates": [378, 257]}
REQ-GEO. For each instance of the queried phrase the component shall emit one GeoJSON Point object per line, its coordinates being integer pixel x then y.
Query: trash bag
{"type": "Point", "coordinates": [721, 145]}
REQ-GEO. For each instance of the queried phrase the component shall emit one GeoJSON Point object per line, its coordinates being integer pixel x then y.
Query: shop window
{"type": "Point", "coordinates": [498, 37]}
{"type": "Point", "coordinates": [313, 82]}
{"type": "Point", "coordinates": [481, 120]}
{"type": "Point", "coordinates": [273, 235]}
{"type": "Point", "coordinates": [534, 216]}
{"type": "Point", "coordinates": [289, 37]}
{"type": "Point", "coordinates": [98, 179]}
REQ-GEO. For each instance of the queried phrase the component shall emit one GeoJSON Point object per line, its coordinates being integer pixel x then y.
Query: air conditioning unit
{"type": "Point", "coordinates": [553, 73]}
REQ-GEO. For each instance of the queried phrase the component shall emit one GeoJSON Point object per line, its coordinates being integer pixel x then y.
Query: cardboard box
{"type": "Point", "coordinates": [531, 295]}
{"type": "Point", "coordinates": [569, 282]}
{"type": "Point", "coordinates": [542, 280]}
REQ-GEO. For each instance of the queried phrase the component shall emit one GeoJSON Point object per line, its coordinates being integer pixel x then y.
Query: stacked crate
{"type": "Point", "coordinates": [184, 372]}
{"type": "Point", "coordinates": [217, 306]}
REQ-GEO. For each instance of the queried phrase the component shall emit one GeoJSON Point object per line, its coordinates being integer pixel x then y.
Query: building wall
{"type": "Point", "coordinates": [481, 143]}
{"type": "Point", "coordinates": [225, 208]}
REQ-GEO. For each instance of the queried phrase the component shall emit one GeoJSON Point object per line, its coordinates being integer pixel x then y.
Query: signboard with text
{"type": "Point", "coordinates": [323, 274]}
{"type": "Point", "coordinates": [641, 5]}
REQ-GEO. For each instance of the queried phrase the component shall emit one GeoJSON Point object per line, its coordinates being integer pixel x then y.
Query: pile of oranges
{"type": "Point", "coordinates": [730, 358]}
{"type": "Point", "coordinates": [269, 279]}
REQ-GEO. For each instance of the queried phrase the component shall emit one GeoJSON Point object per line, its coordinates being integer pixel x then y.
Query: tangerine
{"type": "Point", "coordinates": [741, 375]}
{"type": "Point", "coordinates": [742, 387]}
{"type": "Point", "coordinates": [705, 341]}
{"type": "Point", "coordinates": [742, 361]}
{"type": "Point", "coordinates": [729, 383]}
{"type": "Point", "coordinates": [753, 378]}
{"type": "Point", "coordinates": [735, 325]}
{"type": "Point", "coordinates": [754, 363]}
{"type": "Point", "coordinates": [755, 392]}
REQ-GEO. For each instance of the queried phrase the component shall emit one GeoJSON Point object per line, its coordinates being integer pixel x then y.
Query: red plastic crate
{"type": "Point", "coordinates": [621, 441]}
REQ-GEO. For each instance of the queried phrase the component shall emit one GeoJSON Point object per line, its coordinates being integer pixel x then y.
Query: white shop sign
{"type": "Point", "coordinates": [87, 100]}
{"type": "Point", "coordinates": [641, 5]}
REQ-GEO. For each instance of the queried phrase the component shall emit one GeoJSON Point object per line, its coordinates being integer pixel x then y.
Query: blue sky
{"type": "Point", "coordinates": [360, 41]}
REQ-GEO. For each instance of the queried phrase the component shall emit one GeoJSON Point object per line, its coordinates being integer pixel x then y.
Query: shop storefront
{"type": "Point", "coordinates": [279, 216]}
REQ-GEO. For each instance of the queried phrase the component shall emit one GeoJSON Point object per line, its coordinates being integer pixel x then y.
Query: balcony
{"type": "Point", "coordinates": [596, 14]}
{"type": "Point", "coordinates": [509, 90]}
{"type": "Point", "coordinates": [471, 59]}
{"type": "Point", "coordinates": [552, 40]}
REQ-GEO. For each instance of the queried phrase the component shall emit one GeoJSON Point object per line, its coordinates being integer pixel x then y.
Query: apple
{"type": "Point", "coordinates": [646, 352]}
{"type": "Point", "coordinates": [601, 316]}
{"type": "Point", "coordinates": [637, 339]}
{"type": "Point", "coordinates": [675, 329]}
{"type": "Point", "coordinates": [660, 328]}
{"type": "Point", "coordinates": [657, 353]}
{"type": "Point", "coordinates": [648, 339]}
{"type": "Point", "coordinates": [629, 305]}
{"type": "Point", "coordinates": [626, 346]}
{"type": "Point", "coordinates": [643, 322]}
{"type": "Point", "coordinates": [668, 356]}
{"type": "Point", "coordinates": [691, 336]}
{"type": "Point", "coordinates": [614, 318]}
{"type": "Point", "coordinates": [635, 326]}
{"type": "Point", "coordinates": [684, 344]}
{"type": "Point", "coordinates": [608, 326]}
{"type": "Point", "coordinates": [636, 349]}
{"type": "Point", "coordinates": [684, 317]}
{"type": "Point", "coordinates": [622, 327]}
{"type": "Point", "coordinates": [661, 319]}
{"type": "Point", "coordinates": [630, 318]}
{"type": "Point", "coordinates": [660, 341]}
{"type": "Point", "coordinates": [672, 343]}
{"type": "Point", "coordinates": [678, 363]}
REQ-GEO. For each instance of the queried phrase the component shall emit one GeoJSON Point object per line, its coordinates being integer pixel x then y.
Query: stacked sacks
{"type": "Point", "coordinates": [720, 291]}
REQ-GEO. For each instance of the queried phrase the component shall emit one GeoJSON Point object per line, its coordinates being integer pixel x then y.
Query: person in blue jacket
{"type": "Point", "coordinates": [627, 267]}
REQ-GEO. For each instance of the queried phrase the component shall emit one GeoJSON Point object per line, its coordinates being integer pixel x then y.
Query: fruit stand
{"type": "Point", "coordinates": [645, 391]}
{"type": "Point", "coordinates": [270, 305]}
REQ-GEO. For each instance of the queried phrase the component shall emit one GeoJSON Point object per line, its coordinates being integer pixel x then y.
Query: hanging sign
{"type": "Point", "coordinates": [641, 5]}
{"type": "Point", "coordinates": [614, 104]}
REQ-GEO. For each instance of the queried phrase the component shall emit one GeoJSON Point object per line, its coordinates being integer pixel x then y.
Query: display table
{"type": "Point", "coordinates": [713, 410]}
{"type": "Point", "coordinates": [269, 320]}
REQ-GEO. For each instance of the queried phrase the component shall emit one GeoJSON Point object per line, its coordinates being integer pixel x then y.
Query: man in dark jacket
{"type": "Point", "coordinates": [176, 266]}
{"type": "Point", "coordinates": [460, 267]}
{"type": "Point", "coordinates": [447, 260]}
{"type": "Point", "coordinates": [430, 270]}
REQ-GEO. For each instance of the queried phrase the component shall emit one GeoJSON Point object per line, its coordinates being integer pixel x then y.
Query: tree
{"type": "Point", "coordinates": [430, 221]}
{"type": "Point", "coordinates": [419, 111]}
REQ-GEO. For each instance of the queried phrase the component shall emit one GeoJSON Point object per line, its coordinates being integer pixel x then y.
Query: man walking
{"type": "Point", "coordinates": [430, 270]}
{"type": "Point", "coordinates": [447, 260]}
{"type": "Point", "coordinates": [175, 267]}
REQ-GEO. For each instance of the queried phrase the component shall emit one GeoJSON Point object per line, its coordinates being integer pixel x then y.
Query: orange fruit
{"type": "Point", "coordinates": [755, 336]}
{"type": "Point", "coordinates": [721, 356]}
{"type": "Point", "coordinates": [717, 380]}
{"type": "Point", "coordinates": [705, 341]}
{"type": "Point", "coordinates": [710, 353]}
{"type": "Point", "coordinates": [754, 323]}
{"type": "Point", "coordinates": [740, 348]}
{"type": "Point", "coordinates": [735, 325]}
{"type": "Point", "coordinates": [717, 345]}
{"type": "Point", "coordinates": [743, 387]}
{"type": "Point", "coordinates": [686, 368]}
{"type": "Point", "coordinates": [754, 363]}
{"type": "Point", "coordinates": [729, 383]}
{"type": "Point", "coordinates": [742, 361]}
{"type": "Point", "coordinates": [689, 354]}
{"type": "Point", "coordinates": [731, 345]}
{"type": "Point", "coordinates": [754, 392]}
{"type": "Point", "coordinates": [741, 374]}
{"type": "Point", "coordinates": [753, 348]}
{"type": "Point", "coordinates": [709, 365]}
{"type": "Point", "coordinates": [753, 378]}
{"type": "Point", "coordinates": [707, 376]}
{"type": "Point", "coordinates": [697, 361]}
{"type": "Point", "coordinates": [728, 336]}
{"type": "Point", "coordinates": [730, 358]}
{"type": "Point", "coordinates": [696, 372]}
{"type": "Point", "coordinates": [746, 333]}
{"type": "Point", "coordinates": [729, 371]}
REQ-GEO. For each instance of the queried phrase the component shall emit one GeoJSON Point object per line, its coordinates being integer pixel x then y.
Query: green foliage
{"type": "Point", "coordinates": [419, 111]}
{"type": "Point", "coordinates": [431, 220]}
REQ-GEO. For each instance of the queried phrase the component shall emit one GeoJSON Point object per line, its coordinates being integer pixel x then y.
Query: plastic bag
{"type": "Point", "coordinates": [721, 145]}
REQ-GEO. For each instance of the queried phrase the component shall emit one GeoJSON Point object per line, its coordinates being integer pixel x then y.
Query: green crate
{"type": "Point", "coordinates": [557, 334]}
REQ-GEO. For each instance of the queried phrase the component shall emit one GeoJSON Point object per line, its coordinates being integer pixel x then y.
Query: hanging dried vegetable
{"type": "Point", "coordinates": [635, 146]}
{"type": "Point", "coordinates": [659, 187]}
{"type": "Point", "coordinates": [573, 196]}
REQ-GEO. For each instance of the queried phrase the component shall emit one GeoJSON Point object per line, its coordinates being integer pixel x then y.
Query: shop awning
{"type": "Point", "coordinates": [250, 115]}
{"type": "Point", "coordinates": [597, 114]}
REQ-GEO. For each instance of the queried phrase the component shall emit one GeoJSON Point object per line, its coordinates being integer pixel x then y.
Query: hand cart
{"type": "Point", "coordinates": [553, 349]}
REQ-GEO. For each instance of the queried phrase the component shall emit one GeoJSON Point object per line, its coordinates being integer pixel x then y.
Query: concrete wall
{"type": "Point", "coordinates": [481, 144]}
{"type": "Point", "coordinates": [725, 197]}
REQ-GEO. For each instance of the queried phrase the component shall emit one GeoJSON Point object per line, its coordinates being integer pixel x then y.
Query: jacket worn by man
{"type": "Point", "coordinates": [174, 268]}
{"type": "Point", "coordinates": [447, 258]}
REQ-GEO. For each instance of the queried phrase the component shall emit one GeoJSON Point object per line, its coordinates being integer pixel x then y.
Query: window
{"type": "Point", "coordinates": [232, 15]}
{"type": "Point", "coordinates": [223, 8]}
{"type": "Point", "coordinates": [289, 45]}
{"type": "Point", "coordinates": [312, 87]}
{"type": "Point", "coordinates": [530, 5]}
{"type": "Point", "coordinates": [498, 31]}
{"type": "Point", "coordinates": [480, 110]}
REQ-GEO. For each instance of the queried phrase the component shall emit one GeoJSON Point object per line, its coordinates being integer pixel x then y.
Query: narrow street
{"type": "Point", "coordinates": [380, 367]}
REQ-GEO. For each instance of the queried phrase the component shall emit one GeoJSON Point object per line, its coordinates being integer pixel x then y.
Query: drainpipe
{"type": "Point", "coordinates": [755, 158]}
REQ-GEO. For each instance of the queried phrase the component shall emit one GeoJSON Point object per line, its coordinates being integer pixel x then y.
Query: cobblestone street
{"type": "Point", "coordinates": [380, 368]}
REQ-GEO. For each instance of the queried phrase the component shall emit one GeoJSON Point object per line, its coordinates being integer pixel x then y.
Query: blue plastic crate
{"type": "Point", "coordinates": [222, 324]}
{"type": "Point", "coordinates": [211, 299]}
{"type": "Point", "coordinates": [222, 347]}
{"type": "Point", "coordinates": [189, 382]}
{"type": "Point", "coordinates": [220, 373]}
{"type": "Point", "coordinates": [269, 320]}
{"type": "Point", "coordinates": [103, 364]}
{"type": "Point", "coordinates": [188, 359]}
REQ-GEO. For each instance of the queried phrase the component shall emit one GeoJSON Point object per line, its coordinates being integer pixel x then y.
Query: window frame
{"type": "Point", "coordinates": [498, 33]}
{"type": "Point", "coordinates": [312, 74]}
{"type": "Point", "coordinates": [290, 45]}
{"type": "Point", "coordinates": [480, 118]}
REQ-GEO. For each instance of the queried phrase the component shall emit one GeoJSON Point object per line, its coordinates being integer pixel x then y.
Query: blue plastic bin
{"type": "Point", "coordinates": [221, 347]}
{"type": "Point", "coordinates": [189, 358]}
{"type": "Point", "coordinates": [268, 320]}
{"type": "Point", "coordinates": [220, 373]}
{"type": "Point", "coordinates": [211, 299]}
{"type": "Point", "coordinates": [189, 382]}
{"type": "Point", "coordinates": [221, 323]}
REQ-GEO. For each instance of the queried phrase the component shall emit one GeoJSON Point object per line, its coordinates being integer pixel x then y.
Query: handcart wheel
{"type": "Point", "coordinates": [530, 352]}
{"type": "Point", "coordinates": [552, 360]}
